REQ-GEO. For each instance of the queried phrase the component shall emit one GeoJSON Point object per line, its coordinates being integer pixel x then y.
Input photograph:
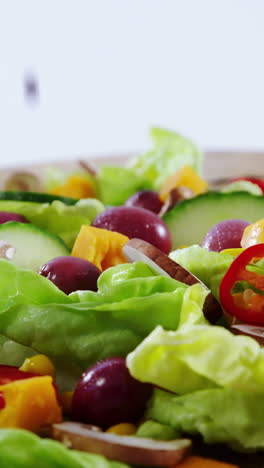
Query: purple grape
{"type": "Point", "coordinates": [136, 222]}
{"type": "Point", "coordinates": [106, 395]}
{"type": "Point", "coordinates": [5, 216]}
{"type": "Point", "coordinates": [71, 274]}
{"type": "Point", "coordinates": [225, 235]}
{"type": "Point", "coordinates": [147, 199]}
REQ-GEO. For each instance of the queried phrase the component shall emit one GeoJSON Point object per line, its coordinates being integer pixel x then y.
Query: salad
{"type": "Point", "coordinates": [131, 316]}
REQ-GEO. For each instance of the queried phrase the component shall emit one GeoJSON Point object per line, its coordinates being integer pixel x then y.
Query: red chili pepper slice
{"type": "Point", "coordinates": [247, 306]}
{"type": "Point", "coordinates": [10, 373]}
{"type": "Point", "coordinates": [254, 180]}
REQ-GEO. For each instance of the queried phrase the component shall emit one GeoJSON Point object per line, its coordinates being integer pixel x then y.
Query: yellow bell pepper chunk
{"type": "Point", "coordinates": [200, 462]}
{"type": "Point", "coordinates": [123, 429]}
{"type": "Point", "coordinates": [101, 247]}
{"type": "Point", "coordinates": [30, 404]}
{"type": "Point", "coordinates": [184, 177]}
{"type": "Point", "coordinates": [75, 187]}
{"type": "Point", "coordinates": [39, 364]}
{"type": "Point", "coordinates": [233, 252]}
{"type": "Point", "coordinates": [253, 234]}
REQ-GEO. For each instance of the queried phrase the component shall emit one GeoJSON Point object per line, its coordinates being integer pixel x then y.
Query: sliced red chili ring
{"type": "Point", "coordinates": [249, 305]}
{"type": "Point", "coordinates": [254, 180]}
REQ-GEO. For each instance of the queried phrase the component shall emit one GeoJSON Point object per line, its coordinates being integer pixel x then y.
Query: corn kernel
{"type": "Point", "coordinates": [124, 429]}
{"type": "Point", "coordinates": [39, 364]}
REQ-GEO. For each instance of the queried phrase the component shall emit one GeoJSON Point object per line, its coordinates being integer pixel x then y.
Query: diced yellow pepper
{"type": "Point", "coordinates": [253, 234]}
{"type": "Point", "coordinates": [233, 252]}
{"type": "Point", "coordinates": [30, 404]}
{"type": "Point", "coordinates": [75, 187]}
{"type": "Point", "coordinates": [200, 462]}
{"type": "Point", "coordinates": [184, 177]}
{"type": "Point", "coordinates": [101, 247]}
{"type": "Point", "coordinates": [39, 364]}
{"type": "Point", "coordinates": [124, 429]}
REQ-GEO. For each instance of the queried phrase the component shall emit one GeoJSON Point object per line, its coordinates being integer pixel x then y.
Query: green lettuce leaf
{"type": "Point", "coordinates": [55, 176]}
{"type": "Point", "coordinates": [170, 152]}
{"type": "Point", "coordinates": [219, 415]}
{"type": "Point", "coordinates": [209, 267]}
{"type": "Point", "coordinates": [22, 449]}
{"type": "Point", "coordinates": [20, 286]}
{"type": "Point", "coordinates": [197, 357]}
{"type": "Point", "coordinates": [78, 330]}
{"type": "Point", "coordinates": [155, 430]}
{"type": "Point", "coordinates": [117, 184]}
{"type": "Point", "coordinates": [13, 354]}
{"type": "Point", "coordinates": [56, 217]}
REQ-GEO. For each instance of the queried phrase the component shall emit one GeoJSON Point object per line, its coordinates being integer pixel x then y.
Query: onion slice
{"type": "Point", "coordinates": [254, 331]}
{"type": "Point", "coordinates": [126, 449]}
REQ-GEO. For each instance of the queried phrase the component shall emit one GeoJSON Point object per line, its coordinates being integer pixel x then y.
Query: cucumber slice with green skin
{"type": "Point", "coordinates": [189, 221]}
{"type": "Point", "coordinates": [35, 197]}
{"type": "Point", "coordinates": [34, 246]}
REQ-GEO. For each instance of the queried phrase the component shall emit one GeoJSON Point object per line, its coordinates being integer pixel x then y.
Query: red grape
{"type": "Point", "coordinates": [147, 199]}
{"type": "Point", "coordinates": [107, 395]}
{"type": "Point", "coordinates": [225, 235]}
{"type": "Point", "coordinates": [5, 216]}
{"type": "Point", "coordinates": [71, 274]}
{"type": "Point", "coordinates": [136, 222]}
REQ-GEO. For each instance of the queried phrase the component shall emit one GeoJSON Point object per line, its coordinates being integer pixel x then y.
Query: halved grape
{"type": "Point", "coordinates": [225, 235]}
{"type": "Point", "coordinates": [136, 222]}
{"type": "Point", "coordinates": [71, 273]}
{"type": "Point", "coordinates": [6, 216]}
{"type": "Point", "coordinates": [107, 395]}
{"type": "Point", "coordinates": [147, 199]}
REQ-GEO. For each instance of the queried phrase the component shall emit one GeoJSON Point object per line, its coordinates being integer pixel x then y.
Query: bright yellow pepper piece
{"type": "Point", "coordinates": [200, 462]}
{"type": "Point", "coordinates": [30, 404]}
{"type": "Point", "coordinates": [39, 364]}
{"type": "Point", "coordinates": [75, 187]}
{"type": "Point", "coordinates": [233, 252]}
{"type": "Point", "coordinates": [123, 429]}
{"type": "Point", "coordinates": [101, 247]}
{"type": "Point", "coordinates": [184, 177]}
{"type": "Point", "coordinates": [253, 234]}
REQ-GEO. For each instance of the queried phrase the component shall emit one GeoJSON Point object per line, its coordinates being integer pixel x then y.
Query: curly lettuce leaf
{"type": "Point", "coordinates": [117, 184]}
{"type": "Point", "coordinates": [219, 415]}
{"type": "Point", "coordinates": [197, 357]}
{"type": "Point", "coordinates": [20, 286]}
{"type": "Point", "coordinates": [170, 152]}
{"type": "Point", "coordinates": [155, 430]}
{"type": "Point", "coordinates": [56, 176]}
{"type": "Point", "coordinates": [209, 267]}
{"type": "Point", "coordinates": [13, 354]}
{"type": "Point", "coordinates": [86, 326]}
{"type": "Point", "coordinates": [56, 217]}
{"type": "Point", "coordinates": [22, 449]}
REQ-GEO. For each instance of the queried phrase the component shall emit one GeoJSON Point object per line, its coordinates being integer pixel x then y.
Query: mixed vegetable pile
{"type": "Point", "coordinates": [131, 314]}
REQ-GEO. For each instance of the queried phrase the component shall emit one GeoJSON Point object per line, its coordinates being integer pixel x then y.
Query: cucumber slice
{"type": "Point", "coordinates": [36, 197]}
{"type": "Point", "coordinates": [189, 221]}
{"type": "Point", "coordinates": [34, 246]}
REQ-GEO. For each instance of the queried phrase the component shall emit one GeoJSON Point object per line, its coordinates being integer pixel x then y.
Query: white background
{"type": "Point", "coordinates": [109, 69]}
